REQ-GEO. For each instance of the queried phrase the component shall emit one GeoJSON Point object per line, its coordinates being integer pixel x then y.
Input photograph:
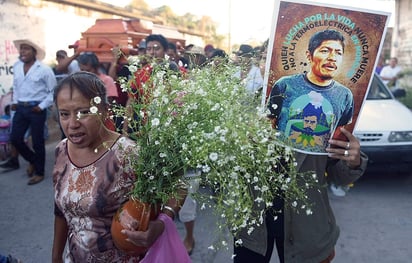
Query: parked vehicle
{"type": "Point", "coordinates": [384, 128]}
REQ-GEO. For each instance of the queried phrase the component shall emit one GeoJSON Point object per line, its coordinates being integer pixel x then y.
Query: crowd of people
{"type": "Point", "coordinates": [83, 212]}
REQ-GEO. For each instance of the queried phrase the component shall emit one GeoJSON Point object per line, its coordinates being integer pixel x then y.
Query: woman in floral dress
{"type": "Point", "coordinates": [91, 177]}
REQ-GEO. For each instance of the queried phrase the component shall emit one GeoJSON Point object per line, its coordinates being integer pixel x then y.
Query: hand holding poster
{"type": "Point", "coordinates": [322, 60]}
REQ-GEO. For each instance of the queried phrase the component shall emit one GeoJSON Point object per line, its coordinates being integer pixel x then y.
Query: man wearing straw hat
{"type": "Point", "coordinates": [33, 86]}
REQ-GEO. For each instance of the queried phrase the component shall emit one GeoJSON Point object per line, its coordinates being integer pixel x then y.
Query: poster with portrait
{"type": "Point", "coordinates": [321, 60]}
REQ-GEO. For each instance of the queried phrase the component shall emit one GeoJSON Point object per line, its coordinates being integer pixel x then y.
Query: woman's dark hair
{"type": "Point", "coordinates": [89, 85]}
{"type": "Point", "coordinates": [159, 38]}
{"type": "Point", "coordinates": [219, 53]}
{"type": "Point", "coordinates": [172, 46]}
{"type": "Point", "coordinates": [328, 34]}
{"type": "Point", "coordinates": [88, 58]}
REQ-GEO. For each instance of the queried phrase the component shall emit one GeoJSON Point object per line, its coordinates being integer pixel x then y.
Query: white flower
{"type": "Point", "coordinates": [259, 199]}
{"type": "Point", "coordinates": [133, 68]}
{"type": "Point", "coordinates": [124, 87]}
{"type": "Point", "coordinates": [205, 168]}
{"type": "Point", "coordinates": [97, 100]}
{"type": "Point", "coordinates": [239, 242]}
{"type": "Point", "coordinates": [94, 109]}
{"type": "Point", "coordinates": [213, 156]}
{"type": "Point", "coordinates": [155, 122]}
{"type": "Point", "coordinates": [215, 107]}
{"type": "Point", "coordinates": [135, 60]}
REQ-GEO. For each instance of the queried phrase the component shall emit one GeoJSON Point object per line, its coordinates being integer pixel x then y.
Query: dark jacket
{"type": "Point", "coordinates": [309, 238]}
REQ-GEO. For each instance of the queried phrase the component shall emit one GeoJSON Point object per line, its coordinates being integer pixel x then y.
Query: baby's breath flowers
{"type": "Point", "coordinates": [93, 110]}
{"type": "Point", "coordinates": [210, 123]}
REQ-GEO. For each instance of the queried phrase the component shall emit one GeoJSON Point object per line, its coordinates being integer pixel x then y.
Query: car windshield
{"type": "Point", "coordinates": [378, 90]}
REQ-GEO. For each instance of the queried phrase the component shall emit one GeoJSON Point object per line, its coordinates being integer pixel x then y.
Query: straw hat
{"type": "Point", "coordinates": [41, 54]}
{"type": "Point", "coordinates": [195, 50]}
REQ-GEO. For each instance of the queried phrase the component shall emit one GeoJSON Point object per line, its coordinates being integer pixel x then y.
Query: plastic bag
{"type": "Point", "coordinates": [169, 247]}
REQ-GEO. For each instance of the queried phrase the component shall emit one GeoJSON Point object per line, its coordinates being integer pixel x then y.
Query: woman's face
{"type": "Point", "coordinates": [80, 126]}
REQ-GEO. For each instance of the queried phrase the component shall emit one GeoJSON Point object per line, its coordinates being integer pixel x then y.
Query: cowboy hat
{"type": "Point", "coordinates": [195, 50]}
{"type": "Point", "coordinates": [40, 51]}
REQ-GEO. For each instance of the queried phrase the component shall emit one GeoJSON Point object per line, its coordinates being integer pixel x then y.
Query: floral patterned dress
{"type": "Point", "coordinates": [89, 196]}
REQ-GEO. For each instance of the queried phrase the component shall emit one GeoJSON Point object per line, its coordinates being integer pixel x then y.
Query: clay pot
{"type": "Point", "coordinates": [132, 210]}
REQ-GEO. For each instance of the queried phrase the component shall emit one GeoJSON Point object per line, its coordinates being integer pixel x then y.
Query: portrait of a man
{"type": "Point", "coordinates": [307, 107]}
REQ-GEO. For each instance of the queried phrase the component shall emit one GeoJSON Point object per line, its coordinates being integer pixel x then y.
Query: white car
{"type": "Point", "coordinates": [384, 129]}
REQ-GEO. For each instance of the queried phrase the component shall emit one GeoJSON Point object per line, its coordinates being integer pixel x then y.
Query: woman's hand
{"type": "Point", "coordinates": [145, 238]}
{"type": "Point", "coordinates": [348, 151]}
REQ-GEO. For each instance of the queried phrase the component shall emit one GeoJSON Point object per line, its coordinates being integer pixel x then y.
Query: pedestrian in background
{"type": "Point", "coordinates": [33, 86]}
{"type": "Point", "coordinates": [88, 61]}
{"type": "Point", "coordinates": [65, 65]}
{"type": "Point", "coordinates": [390, 73]}
{"type": "Point", "coordinates": [249, 73]}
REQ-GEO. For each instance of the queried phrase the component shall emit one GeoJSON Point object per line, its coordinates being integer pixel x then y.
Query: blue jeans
{"type": "Point", "coordinates": [23, 119]}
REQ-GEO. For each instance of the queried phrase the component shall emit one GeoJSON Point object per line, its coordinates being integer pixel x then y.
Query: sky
{"type": "Point", "coordinates": [249, 21]}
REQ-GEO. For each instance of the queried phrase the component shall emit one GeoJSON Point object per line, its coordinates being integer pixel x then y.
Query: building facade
{"type": "Point", "coordinates": [55, 24]}
{"type": "Point", "coordinates": [402, 33]}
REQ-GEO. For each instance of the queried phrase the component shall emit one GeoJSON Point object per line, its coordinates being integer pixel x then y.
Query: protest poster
{"type": "Point", "coordinates": [320, 63]}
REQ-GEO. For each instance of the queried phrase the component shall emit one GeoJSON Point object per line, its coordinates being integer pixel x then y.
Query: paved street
{"type": "Point", "coordinates": [375, 219]}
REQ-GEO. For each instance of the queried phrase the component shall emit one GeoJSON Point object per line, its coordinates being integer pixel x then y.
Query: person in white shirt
{"type": "Point", "coordinates": [390, 73]}
{"type": "Point", "coordinates": [33, 87]}
{"type": "Point", "coordinates": [249, 74]}
{"type": "Point", "coordinates": [66, 64]}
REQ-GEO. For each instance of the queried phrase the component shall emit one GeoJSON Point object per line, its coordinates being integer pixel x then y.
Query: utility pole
{"type": "Point", "coordinates": [230, 27]}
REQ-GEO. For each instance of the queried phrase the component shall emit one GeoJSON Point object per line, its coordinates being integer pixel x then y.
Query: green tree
{"type": "Point", "coordinates": [139, 5]}
{"type": "Point", "coordinates": [204, 25]}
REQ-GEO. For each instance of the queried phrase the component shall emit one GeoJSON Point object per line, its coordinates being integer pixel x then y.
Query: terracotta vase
{"type": "Point", "coordinates": [132, 210]}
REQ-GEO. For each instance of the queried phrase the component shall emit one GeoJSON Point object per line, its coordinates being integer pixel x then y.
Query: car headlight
{"type": "Point", "coordinates": [400, 136]}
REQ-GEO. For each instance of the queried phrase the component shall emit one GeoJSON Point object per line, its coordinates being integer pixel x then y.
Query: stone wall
{"type": "Point", "coordinates": [402, 35]}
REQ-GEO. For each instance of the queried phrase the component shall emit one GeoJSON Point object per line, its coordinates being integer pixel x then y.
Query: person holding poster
{"type": "Point", "coordinates": [309, 105]}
